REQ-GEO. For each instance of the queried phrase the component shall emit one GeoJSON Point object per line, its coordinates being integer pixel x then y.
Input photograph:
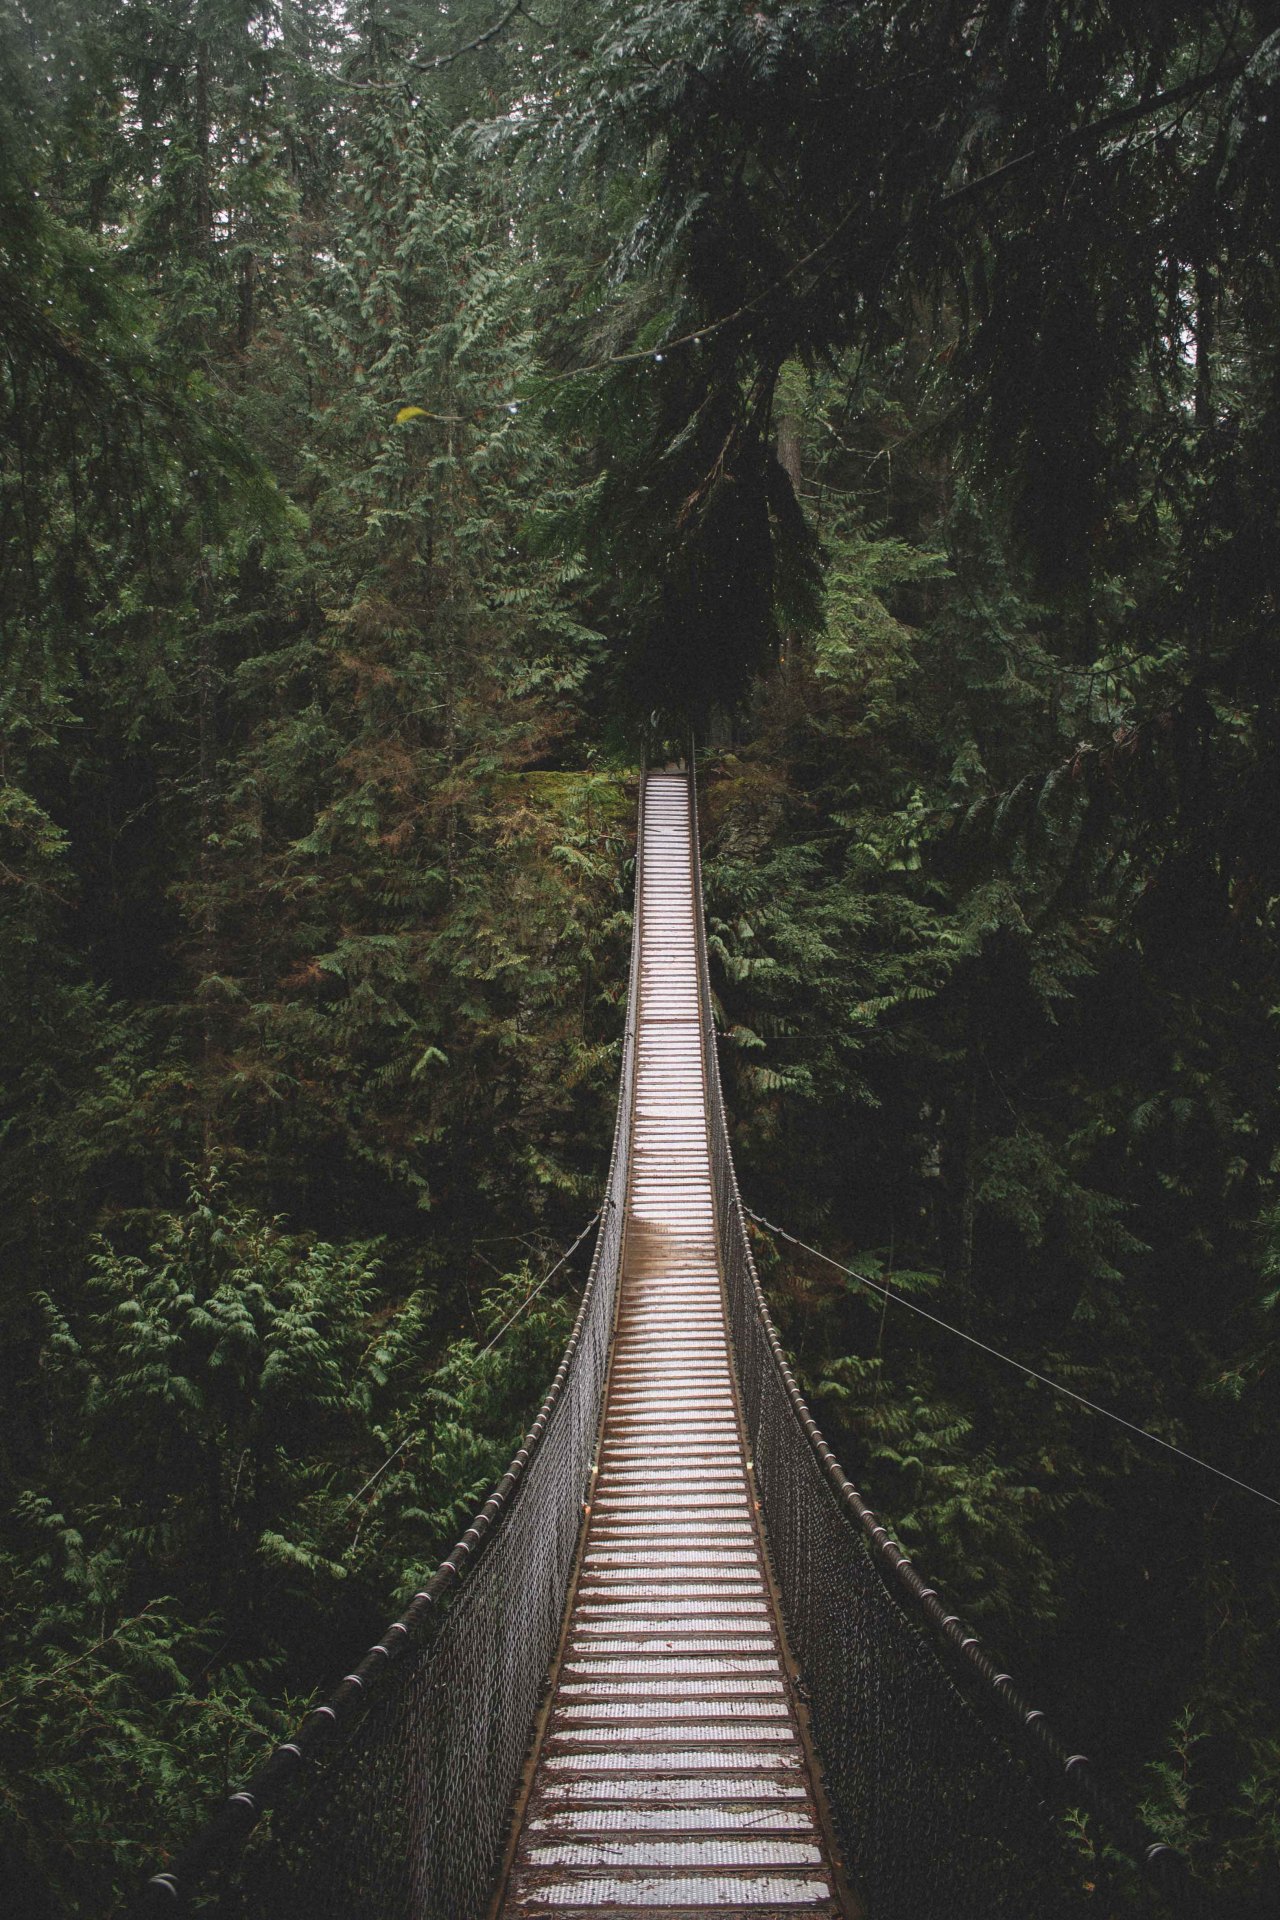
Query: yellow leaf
{"type": "Point", "coordinates": [411, 413]}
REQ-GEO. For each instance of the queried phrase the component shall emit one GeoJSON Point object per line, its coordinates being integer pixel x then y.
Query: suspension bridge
{"type": "Point", "coordinates": [676, 1665]}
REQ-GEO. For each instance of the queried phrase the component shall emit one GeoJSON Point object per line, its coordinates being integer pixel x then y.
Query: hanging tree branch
{"type": "Point", "coordinates": [1225, 72]}
{"type": "Point", "coordinates": [436, 61]}
{"type": "Point", "coordinates": [481, 40]}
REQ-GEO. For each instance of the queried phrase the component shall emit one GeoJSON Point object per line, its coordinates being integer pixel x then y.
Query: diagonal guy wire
{"type": "Point", "coordinates": [1045, 1379]}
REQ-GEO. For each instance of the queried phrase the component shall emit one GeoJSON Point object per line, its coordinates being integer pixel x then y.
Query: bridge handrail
{"type": "Point", "coordinates": [218, 1846]}
{"type": "Point", "coordinates": [964, 1656]}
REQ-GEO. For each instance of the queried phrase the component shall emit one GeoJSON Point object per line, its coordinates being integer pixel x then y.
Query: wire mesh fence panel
{"type": "Point", "coordinates": [410, 1817]}
{"type": "Point", "coordinates": [927, 1799]}
{"type": "Point", "coordinates": [394, 1801]}
{"type": "Point", "coordinates": [934, 1814]}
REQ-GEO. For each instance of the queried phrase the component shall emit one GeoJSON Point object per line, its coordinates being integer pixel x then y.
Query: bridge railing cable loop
{"type": "Point", "coordinates": [392, 1801]}
{"type": "Point", "coordinates": [924, 1741]}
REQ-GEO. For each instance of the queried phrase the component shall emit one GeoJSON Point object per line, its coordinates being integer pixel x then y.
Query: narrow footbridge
{"type": "Point", "coordinates": [676, 1667]}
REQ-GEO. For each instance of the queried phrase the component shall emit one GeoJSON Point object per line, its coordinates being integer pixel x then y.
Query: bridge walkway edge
{"type": "Point", "coordinates": [674, 1776]}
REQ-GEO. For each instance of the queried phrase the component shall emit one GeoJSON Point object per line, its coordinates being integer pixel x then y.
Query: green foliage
{"type": "Point", "coordinates": [230, 1354]}
{"type": "Point", "coordinates": [314, 897]}
{"type": "Point", "coordinates": [978, 1023]}
{"type": "Point", "coordinates": [954, 1503]}
{"type": "Point", "coordinates": [387, 434]}
{"type": "Point", "coordinates": [98, 1690]}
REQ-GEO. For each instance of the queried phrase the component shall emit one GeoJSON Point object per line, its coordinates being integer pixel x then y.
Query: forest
{"type": "Point", "coordinates": [413, 410]}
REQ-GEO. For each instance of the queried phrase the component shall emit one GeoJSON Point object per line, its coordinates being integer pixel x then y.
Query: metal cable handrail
{"type": "Point", "coordinates": [421, 1863]}
{"type": "Point", "coordinates": [781, 1424]}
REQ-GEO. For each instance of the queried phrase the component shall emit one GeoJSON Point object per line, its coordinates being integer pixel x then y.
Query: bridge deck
{"type": "Point", "coordinates": [672, 1774]}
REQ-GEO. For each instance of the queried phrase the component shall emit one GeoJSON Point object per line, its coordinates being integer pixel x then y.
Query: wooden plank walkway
{"type": "Point", "coordinates": [672, 1774]}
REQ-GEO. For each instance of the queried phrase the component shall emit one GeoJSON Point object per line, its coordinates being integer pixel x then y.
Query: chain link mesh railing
{"type": "Point", "coordinates": [934, 1812]}
{"type": "Point", "coordinates": [394, 1800]}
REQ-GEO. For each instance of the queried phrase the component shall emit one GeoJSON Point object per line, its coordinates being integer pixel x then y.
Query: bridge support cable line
{"type": "Point", "coordinates": [676, 1664]}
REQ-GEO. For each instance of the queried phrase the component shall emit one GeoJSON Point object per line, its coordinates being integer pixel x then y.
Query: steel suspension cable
{"type": "Point", "coordinates": [550, 1274]}
{"type": "Point", "coordinates": [1045, 1379]}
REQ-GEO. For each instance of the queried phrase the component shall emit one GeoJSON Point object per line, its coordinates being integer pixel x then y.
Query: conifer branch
{"type": "Point", "coordinates": [437, 61]}
{"type": "Point", "coordinates": [1226, 71]}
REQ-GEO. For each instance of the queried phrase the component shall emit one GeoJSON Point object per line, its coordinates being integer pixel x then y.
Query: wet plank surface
{"type": "Point", "coordinates": [672, 1777]}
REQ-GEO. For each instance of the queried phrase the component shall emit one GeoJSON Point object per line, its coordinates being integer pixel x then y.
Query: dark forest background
{"type": "Point", "coordinates": [406, 409]}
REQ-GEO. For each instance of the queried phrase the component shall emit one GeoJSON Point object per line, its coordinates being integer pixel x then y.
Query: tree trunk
{"type": "Point", "coordinates": [1204, 335]}
{"type": "Point", "coordinates": [791, 450]}
{"type": "Point", "coordinates": [206, 784]}
{"type": "Point", "coordinates": [202, 203]}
